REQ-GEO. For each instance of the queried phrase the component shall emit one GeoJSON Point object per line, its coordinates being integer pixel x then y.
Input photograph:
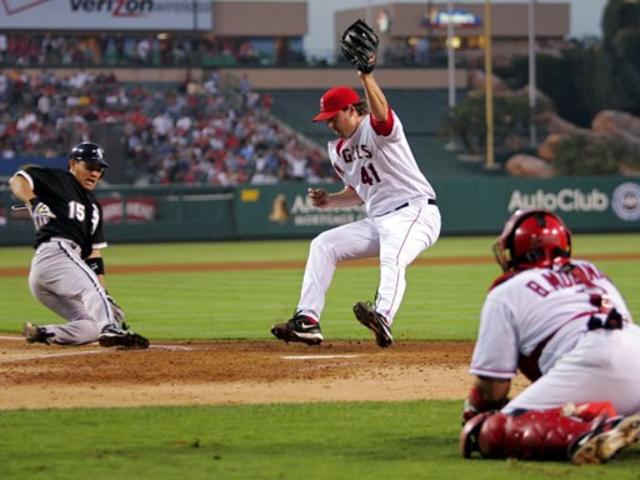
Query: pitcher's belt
{"type": "Point", "coordinates": [431, 201]}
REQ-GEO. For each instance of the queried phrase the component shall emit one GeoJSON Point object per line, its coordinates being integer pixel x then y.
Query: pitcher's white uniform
{"type": "Point", "coordinates": [536, 320]}
{"type": "Point", "coordinates": [402, 216]}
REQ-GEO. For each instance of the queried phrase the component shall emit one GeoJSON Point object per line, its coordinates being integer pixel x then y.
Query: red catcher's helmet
{"type": "Point", "coordinates": [533, 239]}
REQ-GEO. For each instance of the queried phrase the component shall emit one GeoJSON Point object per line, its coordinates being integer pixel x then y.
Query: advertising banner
{"type": "Point", "coordinates": [468, 206]}
{"type": "Point", "coordinates": [459, 18]}
{"type": "Point", "coordinates": [116, 15]}
{"type": "Point", "coordinates": [139, 209]}
{"type": "Point", "coordinates": [588, 204]}
{"type": "Point", "coordinates": [285, 211]}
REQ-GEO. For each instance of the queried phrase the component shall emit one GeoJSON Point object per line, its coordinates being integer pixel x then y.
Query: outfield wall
{"type": "Point", "coordinates": [469, 206]}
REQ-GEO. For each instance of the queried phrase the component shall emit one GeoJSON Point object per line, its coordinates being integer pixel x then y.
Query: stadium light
{"type": "Point", "coordinates": [194, 6]}
{"type": "Point", "coordinates": [490, 163]}
{"type": "Point", "coordinates": [451, 65]}
{"type": "Point", "coordinates": [533, 141]}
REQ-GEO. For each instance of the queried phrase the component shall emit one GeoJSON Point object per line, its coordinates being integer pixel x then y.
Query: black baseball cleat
{"type": "Point", "coordinates": [35, 334]}
{"type": "Point", "coordinates": [375, 322]}
{"type": "Point", "coordinates": [118, 337]}
{"type": "Point", "coordinates": [600, 446]}
{"type": "Point", "coordinates": [299, 329]}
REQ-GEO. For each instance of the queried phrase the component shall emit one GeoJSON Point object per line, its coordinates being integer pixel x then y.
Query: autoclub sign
{"type": "Point", "coordinates": [169, 15]}
{"type": "Point", "coordinates": [458, 18]}
{"type": "Point", "coordinates": [621, 200]}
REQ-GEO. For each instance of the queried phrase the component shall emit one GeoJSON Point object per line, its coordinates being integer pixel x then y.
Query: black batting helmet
{"type": "Point", "coordinates": [89, 152]}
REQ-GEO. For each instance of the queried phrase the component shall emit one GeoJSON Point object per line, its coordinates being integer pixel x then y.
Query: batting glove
{"type": "Point", "coordinates": [118, 312]}
{"type": "Point", "coordinates": [40, 213]}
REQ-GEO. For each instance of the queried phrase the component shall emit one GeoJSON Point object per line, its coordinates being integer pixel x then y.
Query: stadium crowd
{"type": "Point", "coordinates": [164, 50]}
{"type": "Point", "coordinates": [196, 133]}
{"type": "Point", "coordinates": [144, 50]}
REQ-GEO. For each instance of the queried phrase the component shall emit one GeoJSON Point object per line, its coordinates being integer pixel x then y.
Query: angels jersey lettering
{"type": "Point", "coordinates": [380, 168]}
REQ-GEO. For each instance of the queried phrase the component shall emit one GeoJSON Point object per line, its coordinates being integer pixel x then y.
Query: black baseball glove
{"type": "Point", "coordinates": [359, 45]}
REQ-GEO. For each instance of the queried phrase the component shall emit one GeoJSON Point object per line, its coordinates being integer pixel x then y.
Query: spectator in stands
{"type": "Point", "coordinates": [162, 125]}
{"type": "Point", "coordinates": [144, 51]}
{"type": "Point", "coordinates": [44, 106]}
{"type": "Point", "coordinates": [8, 151]}
{"type": "Point", "coordinates": [79, 79]}
{"type": "Point", "coordinates": [421, 51]}
{"type": "Point", "coordinates": [212, 83]}
{"type": "Point", "coordinates": [4, 87]}
{"type": "Point", "coordinates": [245, 84]}
{"type": "Point", "coordinates": [110, 50]}
{"type": "Point", "coordinates": [3, 47]}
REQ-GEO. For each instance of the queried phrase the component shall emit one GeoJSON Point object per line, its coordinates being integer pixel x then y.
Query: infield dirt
{"type": "Point", "coordinates": [225, 372]}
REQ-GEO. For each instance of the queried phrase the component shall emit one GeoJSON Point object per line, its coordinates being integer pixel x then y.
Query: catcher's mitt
{"type": "Point", "coordinates": [359, 45]}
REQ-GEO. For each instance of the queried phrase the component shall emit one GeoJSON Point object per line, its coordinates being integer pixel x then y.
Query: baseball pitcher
{"type": "Point", "coordinates": [564, 325]}
{"type": "Point", "coordinates": [373, 158]}
{"type": "Point", "coordinates": [67, 270]}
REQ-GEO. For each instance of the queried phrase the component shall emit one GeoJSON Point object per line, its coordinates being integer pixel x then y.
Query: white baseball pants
{"type": "Point", "coordinates": [602, 366]}
{"type": "Point", "coordinates": [397, 238]}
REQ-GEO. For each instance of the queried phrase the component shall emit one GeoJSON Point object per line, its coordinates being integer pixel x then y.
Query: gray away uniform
{"type": "Point", "coordinates": [59, 277]}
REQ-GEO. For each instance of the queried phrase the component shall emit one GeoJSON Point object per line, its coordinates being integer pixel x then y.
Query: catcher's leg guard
{"type": "Point", "coordinates": [589, 411]}
{"type": "Point", "coordinates": [532, 435]}
{"type": "Point", "coordinates": [469, 434]}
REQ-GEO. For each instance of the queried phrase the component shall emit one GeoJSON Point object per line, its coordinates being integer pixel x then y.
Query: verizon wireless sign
{"type": "Point", "coordinates": [168, 15]}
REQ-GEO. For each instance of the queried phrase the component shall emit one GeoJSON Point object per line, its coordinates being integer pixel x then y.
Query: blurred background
{"type": "Point", "coordinates": [204, 109]}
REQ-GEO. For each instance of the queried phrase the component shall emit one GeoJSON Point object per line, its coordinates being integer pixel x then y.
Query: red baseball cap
{"type": "Point", "coordinates": [334, 100]}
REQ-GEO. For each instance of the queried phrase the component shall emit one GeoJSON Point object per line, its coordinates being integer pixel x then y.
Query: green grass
{"type": "Point", "coordinates": [441, 302]}
{"type": "Point", "coordinates": [146, 254]}
{"type": "Point", "coordinates": [311, 441]}
{"type": "Point", "coordinates": [151, 254]}
{"type": "Point", "coordinates": [329, 441]}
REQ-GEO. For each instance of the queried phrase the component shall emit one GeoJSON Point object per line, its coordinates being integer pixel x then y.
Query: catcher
{"type": "Point", "coordinates": [564, 324]}
{"type": "Point", "coordinates": [373, 158]}
{"type": "Point", "coordinates": [67, 270]}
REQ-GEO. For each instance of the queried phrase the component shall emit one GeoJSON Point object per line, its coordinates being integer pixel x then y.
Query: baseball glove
{"type": "Point", "coordinates": [359, 45]}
